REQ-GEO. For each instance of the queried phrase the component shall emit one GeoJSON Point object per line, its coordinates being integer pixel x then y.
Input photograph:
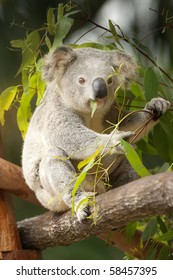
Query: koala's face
{"type": "Point", "coordinates": [85, 75]}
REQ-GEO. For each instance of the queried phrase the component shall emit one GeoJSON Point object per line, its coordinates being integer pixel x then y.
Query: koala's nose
{"type": "Point", "coordinates": [100, 88]}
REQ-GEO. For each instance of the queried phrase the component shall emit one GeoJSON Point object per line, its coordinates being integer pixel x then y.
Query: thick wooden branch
{"type": "Point", "coordinates": [134, 201]}
{"type": "Point", "coordinates": [11, 180]}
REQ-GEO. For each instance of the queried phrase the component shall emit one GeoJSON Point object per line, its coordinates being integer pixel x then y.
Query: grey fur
{"type": "Point", "coordinates": [61, 126]}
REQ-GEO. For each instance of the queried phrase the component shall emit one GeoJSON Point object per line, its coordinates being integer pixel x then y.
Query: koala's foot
{"type": "Point", "coordinates": [157, 106]}
{"type": "Point", "coordinates": [82, 205]}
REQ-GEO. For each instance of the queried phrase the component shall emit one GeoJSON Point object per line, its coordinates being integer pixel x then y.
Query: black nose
{"type": "Point", "coordinates": [100, 88]}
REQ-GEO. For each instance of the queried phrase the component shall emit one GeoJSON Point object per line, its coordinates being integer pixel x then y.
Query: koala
{"type": "Point", "coordinates": [62, 131]}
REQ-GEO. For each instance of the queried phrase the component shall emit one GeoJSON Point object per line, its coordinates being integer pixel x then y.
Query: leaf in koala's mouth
{"type": "Point", "coordinates": [93, 106]}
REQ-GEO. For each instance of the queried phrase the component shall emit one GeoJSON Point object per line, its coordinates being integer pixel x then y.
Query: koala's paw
{"type": "Point", "coordinates": [117, 136]}
{"type": "Point", "coordinates": [157, 106]}
{"type": "Point", "coordinates": [82, 206]}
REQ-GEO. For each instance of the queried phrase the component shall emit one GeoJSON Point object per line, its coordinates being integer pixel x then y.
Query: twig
{"type": "Point", "coordinates": [125, 39]}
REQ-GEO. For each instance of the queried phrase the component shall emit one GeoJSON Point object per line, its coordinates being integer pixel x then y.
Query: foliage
{"type": "Point", "coordinates": [153, 81]}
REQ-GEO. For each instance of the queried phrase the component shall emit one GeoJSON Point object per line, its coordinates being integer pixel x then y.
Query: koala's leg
{"type": "Point", "coordinates": [142, 122]}
{"type": "Point", "coordinates": [123, 174]}
{"type": "Point", "coordinates": [57, 179]}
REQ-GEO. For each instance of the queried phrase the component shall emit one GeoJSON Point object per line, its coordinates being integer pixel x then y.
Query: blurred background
{"type": "Point", "coordinates": [137, 18]}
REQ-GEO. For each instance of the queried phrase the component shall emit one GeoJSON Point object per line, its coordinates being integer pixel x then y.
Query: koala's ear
{"type": "Point", "coordinates": [125, 65]}
{"type": "Point", "coordinates": [56, 63]}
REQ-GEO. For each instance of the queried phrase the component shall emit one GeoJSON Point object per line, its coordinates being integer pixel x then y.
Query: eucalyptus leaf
{"type": "Point", "coordinates": [166, 236]}
{"type": "Point", "coordinates": [88, 45]}
{"type": "Point", "coordinates": [164, 253]}
{"type": "Point", "coordinates": [30, 51]}
{"type": "Point", "coordinates": [62, 29]}
{"type": "Point", "coordinates": [162, 224]}
{"type": "Point", "coordinates": [150, 230]}
{"type": "Point", "coordinates": [6, 99]}
{"type": "Point", "coordinates": [130, 231]}
{"type": "Point", "coordinates": [114, 33]}
{"type": "Point", "coordinates": [24, 112]}
{"type": "Point", "coordinates": [162, 137]}
{"type": "Point", "coordinates": [88, 162]}
{"type": "Point", "coordinates": [77, 184]}
{"type": "Point", "coordinates": [151, 84]}
{"type": "Point", "coordinates": [134, 159]}
{"type": "Point", "coordinates": [146, 147]}
{"type": "Point", "coordinates": [51, 21]}
{"type": "Point", "coordinates": [93, 106]}
{"type": "Point", "coordinates": [17, 43]}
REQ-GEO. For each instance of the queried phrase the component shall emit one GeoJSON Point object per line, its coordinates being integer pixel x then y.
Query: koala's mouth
{"type": "Point", "coordinates": [99, 102]}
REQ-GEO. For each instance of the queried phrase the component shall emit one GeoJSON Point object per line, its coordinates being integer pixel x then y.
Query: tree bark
{"type": "Point", "coordinates": [139, 199]}
{"type": "Point", "coordinates": [11, 180]}
{"type": "Point", "coordinates": [10, 243]}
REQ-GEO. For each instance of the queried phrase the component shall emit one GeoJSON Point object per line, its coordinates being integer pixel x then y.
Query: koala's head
{"type": "Point", "coordinates": [86, 74]}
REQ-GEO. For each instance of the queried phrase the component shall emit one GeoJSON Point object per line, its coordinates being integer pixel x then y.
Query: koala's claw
{"type": "Point", "coordinates": [157, 106]}
{"type": "Point", "coordinates": [83, 211]}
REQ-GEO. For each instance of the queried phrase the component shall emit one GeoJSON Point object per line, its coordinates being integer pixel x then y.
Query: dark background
{"type": "Point", "coordinates": [134, 17]}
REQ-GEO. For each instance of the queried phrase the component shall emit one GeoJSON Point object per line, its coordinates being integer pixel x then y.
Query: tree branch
{"type": "Point", "coordinates": [11, 180]}
{"type": "Point", "coordinates": [142, 198]}
{"type": "Point", "coordinates": [120, 204]}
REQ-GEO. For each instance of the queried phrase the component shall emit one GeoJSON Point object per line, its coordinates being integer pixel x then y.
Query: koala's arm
{"type": "Point", "coordinates": [77, 141]}
{"type": "Point", "coordinates": [142, 122]}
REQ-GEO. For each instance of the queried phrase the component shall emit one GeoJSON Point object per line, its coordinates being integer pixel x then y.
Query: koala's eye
{"type": "Point", "coordinates": [82, 81]}
{"type": "Point", "coordinates": [109, 81]}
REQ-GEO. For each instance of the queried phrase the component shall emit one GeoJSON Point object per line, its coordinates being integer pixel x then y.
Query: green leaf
{"type": "Point", "coordinates": [88, 162]}
{"type": "Point", "coordinates": [114, 33]}
{"type": "Point", "coordinates": [136, 89]}
{"type": "Point", "coordinates": [88, 45]}
{"type": "Point", "coordinates": [141, 46]}
{"type": "Point", "coordinates": [134, 159]}
{"type": "Point", "coordinates": [164, 253]}
{"type": "Point", "coordinates": [162, 137]}
{"type": "Point", "coordinates": [146, 147]}
{"type": "Point", "coordinates": [51, 21]}
{"type": "Point", "coordinates": [93, 106]}
{"type": "Point", "coordinates": [83, 202]}
{"type": "Point", "coordinates": [162, 224]}
{"type": "Point", "coordinates": [150, 230]}
{"type": "Point", "coordinates": [60, 12]}
{"type": "Point", "coordinates": [77, 184]}
{"type": "Point", "coordinates": [63, 28]}
{"type": "Point", "coordinates": [151, 254]}
{"type": "Point", "coordinates": [166, 236]}
{"type": "Point", "coordinates": [25, 80]}
{"type": "Point", "coordinates": [40, 87]}
{"type": "Point", "coordinates": [24, 112]}
{"type": "Point", "coordinates": [30, 51]}
{"type": "Point", "coordinates": [130, 231]}
{"type": "Point", "coordinates": [17, 43]}
{"type": "Point", "coordinates": [48, 43]}
{"type": "Point", "coordinates": [151, 84]}
{"type": "Point", "coordinates": [6, 99]}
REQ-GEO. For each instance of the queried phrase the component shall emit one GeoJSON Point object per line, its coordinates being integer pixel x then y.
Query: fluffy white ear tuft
{"type": "Point", "coordinates": [125, 65]}
{"type": "Point", "coordinates": [56, 63]}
